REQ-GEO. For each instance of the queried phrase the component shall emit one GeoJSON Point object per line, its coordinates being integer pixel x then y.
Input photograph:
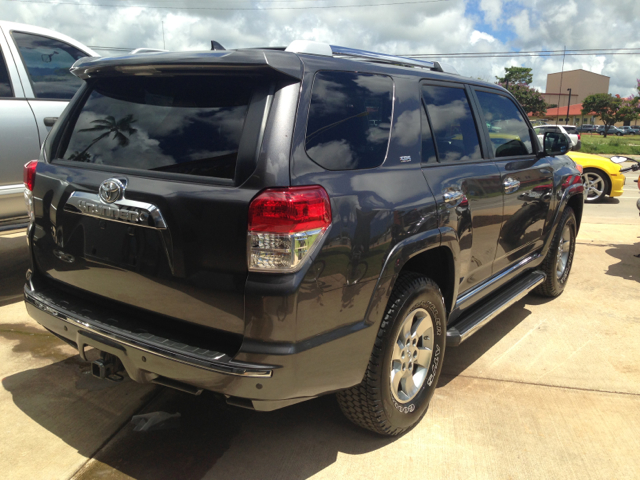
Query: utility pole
{"type": "Point", "coordinates": [164, 46]}
{"type": "Point", "coordinates": [568, 104]}
{"type": "Point", "coordinates": [560, 90]}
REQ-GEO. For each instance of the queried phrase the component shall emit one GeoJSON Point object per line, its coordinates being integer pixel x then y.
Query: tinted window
{"type": "Point", "coordinates": [349, 120]}
{"type": "Point", "coordinates": [508, 130]}
{"type": "Point", "coordinates": [48, 62]}
{"type": "Point", "coordinates": [453, 126]}
{"type": "Point", "coordinates": [5, 84]}
{"type": "Point", "coordinates": [188, 125]}
{"type": "Point", "coordinates": [571, 129]}
{"type": "Point", "coordinates": [428, 147]}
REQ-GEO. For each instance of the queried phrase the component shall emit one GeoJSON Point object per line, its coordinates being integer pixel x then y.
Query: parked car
{"type": "Point", "coordinates": [35, 86]}
{"type": "Point", "coordinates": [611, 130]}
{"type": "Point", "coordinates": [570, 130]}
{"type": "Point", "coordinates": [277, 225]}
{"type": "Point", "coordinates": [626, 130]}
{"type": "Point", "coordinates": [635, 129]}
{"type": "Point", "coordinates": [601, 176]}
{"type": "Point", "coordinates": [587, 128]}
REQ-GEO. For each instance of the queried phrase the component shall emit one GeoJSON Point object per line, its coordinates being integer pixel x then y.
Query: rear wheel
{"type": "Point", "coordinates": [597, 184]}
{"type": "Point", "coordinates": [406, 361]}
{"type": "Point", "coordinates": [557, 263]}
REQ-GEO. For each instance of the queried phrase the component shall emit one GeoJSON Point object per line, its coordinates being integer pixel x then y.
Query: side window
{"type": "Point", "coordinates": [508, 130]}
{"type": "Point", "coordinates": [48, 62]}
{"type": "Point", "coordinates": [428, 147]}
{"type": "Point", "coordinates": [453, 126]}
{"type": "Point", "coordinates": [349, 120]}
{"type": "Point", "coordinates": [5, 84]}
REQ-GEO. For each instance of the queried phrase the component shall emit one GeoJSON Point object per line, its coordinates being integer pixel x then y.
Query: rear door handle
{"type": "Point", "coordinates": [511, 185]}
{"type": "Point", "coordinates": [452, 196]}
{"type": "Point", "coordinates": [50, 121]}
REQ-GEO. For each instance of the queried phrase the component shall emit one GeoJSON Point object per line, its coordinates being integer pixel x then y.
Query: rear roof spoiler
{"type": "Point", "coordinates": [268, 62]}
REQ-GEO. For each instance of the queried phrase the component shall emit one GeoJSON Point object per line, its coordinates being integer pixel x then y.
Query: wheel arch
{"type": "Point", "coordinates": [438, 265]}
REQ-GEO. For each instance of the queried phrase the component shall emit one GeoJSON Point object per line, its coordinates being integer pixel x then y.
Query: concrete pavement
{"type": "Point", "coordinates": [549, 389]}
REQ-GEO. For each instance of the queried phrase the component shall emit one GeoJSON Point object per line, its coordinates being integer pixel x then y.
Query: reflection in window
{"type": "Point", "coordinates": [5, 84]}
{"type": "Point", "coordinates": [508, 130]}
{"type": "Point", "coordinates": [48, 62]}
{"type": "Point", "coordinates": [183, 124]}
{"type": "Point", "coordinates": [349, 120]}
{"type": "Point", "coordinates": [453, 126]}
{"type": "Point", "coordinates": [428, 147]}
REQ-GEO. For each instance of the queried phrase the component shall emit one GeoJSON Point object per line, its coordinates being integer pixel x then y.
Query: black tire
{"type": "Point", "coordinates": [606, 184]}
{"type": "Point", "coordinates": [555, 282]}
{"type": "Point", "coordinates": [371, 404]}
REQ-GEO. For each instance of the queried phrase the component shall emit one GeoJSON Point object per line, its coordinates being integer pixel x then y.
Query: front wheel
{"type": "Point", "coordinates": [406, 361]}
{"type": "Point", "coordinates": [557, 263]}
{"type": "Point", "coordinates": [597, 184]}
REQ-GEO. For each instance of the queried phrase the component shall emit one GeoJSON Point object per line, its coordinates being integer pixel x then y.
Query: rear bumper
{"type": "Point", "coordinates": [617, 185]}
{"type": "Point", "coordinates": [266, 379]}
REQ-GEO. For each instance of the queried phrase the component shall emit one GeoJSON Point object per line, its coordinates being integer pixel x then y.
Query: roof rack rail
{"type": "Point", "coordinates": [320, 48]}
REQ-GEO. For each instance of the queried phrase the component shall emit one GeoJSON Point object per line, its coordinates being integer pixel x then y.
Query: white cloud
{"type": "Point", "coordinates": [477, 36]}
{"type": "Point", "coordinates": [418, 28]}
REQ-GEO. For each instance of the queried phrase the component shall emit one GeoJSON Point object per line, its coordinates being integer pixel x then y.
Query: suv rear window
{"type": "Point", "coordinates": [571, 129]}
{"type": "Point", "coordinates": [183, 124]}
{"type": "Point", "coordinates": [349, 120]}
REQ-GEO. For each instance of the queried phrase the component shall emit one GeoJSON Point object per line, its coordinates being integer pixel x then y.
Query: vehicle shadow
{"type": "Point", "coordinates": [14, 262]}
{"type": "Point", "coordinates": [211, 440]}
{"type": "Point", "coordinates": [610, 201]}
{"type": "Point", "coordinates": [458, 359]}
{"type": "Point", "coordinates": [629, 265]}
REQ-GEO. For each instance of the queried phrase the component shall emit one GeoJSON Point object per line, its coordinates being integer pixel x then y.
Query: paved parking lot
{"type": "Point", "coordinates": [549, 389]}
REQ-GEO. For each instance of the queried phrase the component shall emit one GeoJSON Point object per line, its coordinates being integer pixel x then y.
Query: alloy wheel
{"type": "Point", "coordinates": [594, 184]}
{"type": "Point", "coordinates": [564, 248]}
{"type": "Point", "coordinates": [411, 355]}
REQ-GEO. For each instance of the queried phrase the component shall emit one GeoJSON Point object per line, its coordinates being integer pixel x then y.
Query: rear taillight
{"type": "Point", "coordinates": [29, 179]}
{"type": "Point", "coordinates": [578, 136]}
{"type": "Point", "coordinates": [29, 174]}
{"type": "Point", "coordinates": [285, 224]}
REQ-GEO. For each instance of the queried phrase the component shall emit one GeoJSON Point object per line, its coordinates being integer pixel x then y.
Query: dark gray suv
{"type": "Point", "coordinates": [279, 224]}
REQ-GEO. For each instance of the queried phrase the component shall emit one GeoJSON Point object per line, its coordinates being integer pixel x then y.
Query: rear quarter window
{"type": "Point", "coordinates": [349, 121]}
{"type": "Point", "coordinates": [183, 124]}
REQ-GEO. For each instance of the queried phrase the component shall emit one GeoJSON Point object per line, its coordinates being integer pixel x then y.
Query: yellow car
{"type": "Point", "coordinates": [601, 176]}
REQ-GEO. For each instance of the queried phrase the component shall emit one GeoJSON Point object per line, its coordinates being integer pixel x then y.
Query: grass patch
{"type": "Point", "coordinates": [627, 145]}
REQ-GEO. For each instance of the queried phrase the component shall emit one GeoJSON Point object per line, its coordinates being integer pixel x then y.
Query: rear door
{"type": "Point", "coordinates": [18, 137]}
{"type": "Point", "coordinates": [465, 182]}
{"type": "Point", "coordinates": [44, 63]}
{"type": "Point", "coordinates": [526, 181]}
{"type": "Point", "coordinates": [140, 202]}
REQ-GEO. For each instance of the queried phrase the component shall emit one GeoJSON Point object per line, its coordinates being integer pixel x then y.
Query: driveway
{"type": "Point", "coordinates": [549, 389]}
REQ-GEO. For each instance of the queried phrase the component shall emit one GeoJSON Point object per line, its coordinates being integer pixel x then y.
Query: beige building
{"type": "Point", "coordinates": [581, 82]}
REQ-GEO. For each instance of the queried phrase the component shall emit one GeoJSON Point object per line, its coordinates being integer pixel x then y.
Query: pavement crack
{"type": "Point", "coordinates": [542, 384]}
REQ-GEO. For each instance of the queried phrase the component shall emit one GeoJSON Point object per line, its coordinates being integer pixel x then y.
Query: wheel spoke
{"type": "Point", "coordinates": [424, 357]}
{"type": "Point", "coordinates": [407, 384]}
{"type": "Point", "coordinates": [406, 328]}
{"type": "Point", "coordinates": [397, 375]}
{"type": "Point", "coordinates": [397, 350]}
{"type": "Point", "coordinates": [424, 327]}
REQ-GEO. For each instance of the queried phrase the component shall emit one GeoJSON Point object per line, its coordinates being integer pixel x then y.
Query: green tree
{"type": "Point", "coordinates": [514, 75]}
{"type": "Point", "coordinates": [611, 109]}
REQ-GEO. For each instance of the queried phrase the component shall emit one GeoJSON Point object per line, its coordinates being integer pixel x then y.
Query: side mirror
{"type": "Point", "coordinates": [619, 160]}
{"type": "Point", "coordinates": [556, 143]}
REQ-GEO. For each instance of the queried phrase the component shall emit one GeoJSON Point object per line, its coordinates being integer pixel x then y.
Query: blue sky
{"type": "Point", "coordinates": [427, 27]}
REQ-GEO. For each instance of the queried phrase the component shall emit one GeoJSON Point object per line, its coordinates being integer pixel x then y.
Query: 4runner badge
{"type": "Point", "coordinates": [120, 210]}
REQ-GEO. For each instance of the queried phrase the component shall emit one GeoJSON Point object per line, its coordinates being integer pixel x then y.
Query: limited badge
{"type": "Point", "coordinates": [405, 159]}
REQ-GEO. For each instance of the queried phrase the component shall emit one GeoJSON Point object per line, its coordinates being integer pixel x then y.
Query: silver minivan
{"type": "Point", "coordinates": [35, 87]}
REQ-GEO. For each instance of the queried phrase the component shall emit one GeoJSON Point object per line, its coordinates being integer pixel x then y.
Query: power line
{"type": "Point", "coordinates": [520, 52]}
{"type": "Point", "coordinates": [415, 2]}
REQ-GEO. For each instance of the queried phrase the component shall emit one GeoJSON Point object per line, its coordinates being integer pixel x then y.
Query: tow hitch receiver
{"type": "Point", "coordinates": [107, 367]}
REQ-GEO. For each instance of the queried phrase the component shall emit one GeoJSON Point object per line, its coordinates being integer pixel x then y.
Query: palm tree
{"type": "Point", "coordinates": [111, 126]}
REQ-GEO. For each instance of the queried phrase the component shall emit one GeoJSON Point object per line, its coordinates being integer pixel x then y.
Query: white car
{"type": "Point", "coordinates": [570, 130]}
{"type": "Point", "coordinates": [35, 87]}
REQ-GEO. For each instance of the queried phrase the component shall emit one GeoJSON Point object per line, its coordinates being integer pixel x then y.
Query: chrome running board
{"type": "Point", "coordinates": [476, 319]}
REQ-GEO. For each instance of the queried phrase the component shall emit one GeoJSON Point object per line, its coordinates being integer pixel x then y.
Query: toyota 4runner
{"type": "Point", "coordinates": [278, 224]}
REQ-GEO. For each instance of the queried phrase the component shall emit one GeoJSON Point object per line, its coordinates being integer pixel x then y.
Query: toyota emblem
{"type": "Point", "coordinates": [111, 190]}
